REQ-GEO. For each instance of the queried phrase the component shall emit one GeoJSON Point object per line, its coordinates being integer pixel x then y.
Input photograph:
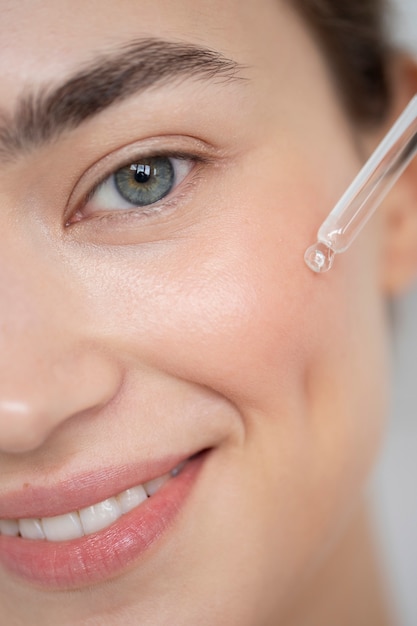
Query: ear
{"type": "Point", "coordinates": [399, 212]}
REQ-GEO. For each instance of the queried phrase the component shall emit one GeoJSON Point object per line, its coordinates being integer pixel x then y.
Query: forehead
{"type": "Point", "coordinates": [46, 38]}
{"type": "Point", "coordinates": [69, 27]}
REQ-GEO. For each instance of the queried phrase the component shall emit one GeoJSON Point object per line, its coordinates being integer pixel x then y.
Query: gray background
{"type": "Point", "coordinates": [403, 20]}
{"type": "Point", "coordinates": [395, 481]}
{"type": "Point", "coordinates": [394, 485]}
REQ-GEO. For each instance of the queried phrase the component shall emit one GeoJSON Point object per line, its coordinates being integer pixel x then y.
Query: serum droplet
{"type": "Point", "coordinates": [319, 258]}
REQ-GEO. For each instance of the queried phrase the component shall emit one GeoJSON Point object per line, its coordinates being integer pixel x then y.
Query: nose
{"type": "Point", "coordinates": [51, 368]}
{"type": "Point", "coordinates": [36, 398]}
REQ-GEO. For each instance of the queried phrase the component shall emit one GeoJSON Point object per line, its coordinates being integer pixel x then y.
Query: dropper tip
{"type": "Point", "coordinates": [319, 258]}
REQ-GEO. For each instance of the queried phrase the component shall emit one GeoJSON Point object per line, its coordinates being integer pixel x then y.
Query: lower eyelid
{"type": "Point", "coordinates": [134, 215]}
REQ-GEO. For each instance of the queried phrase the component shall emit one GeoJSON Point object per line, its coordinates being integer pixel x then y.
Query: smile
{"type": "Point", "coordinates": [94, 543]}
{"type": "Point", "coordinates": [88, 520]}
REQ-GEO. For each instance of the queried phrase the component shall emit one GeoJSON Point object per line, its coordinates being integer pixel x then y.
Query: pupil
{"type": "Point", "coordinates": [142, 173]}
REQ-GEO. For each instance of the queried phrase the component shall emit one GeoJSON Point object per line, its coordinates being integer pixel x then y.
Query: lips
{"type": "Point", "coordinates": [107, 536]}
{"type": "Point", "coordinates": [88, 520]}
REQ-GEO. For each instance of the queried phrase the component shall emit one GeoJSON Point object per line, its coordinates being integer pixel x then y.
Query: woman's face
{"type": "Point", "coordinates": [135, 338]}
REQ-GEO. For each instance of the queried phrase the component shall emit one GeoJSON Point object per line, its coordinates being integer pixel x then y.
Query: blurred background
{"type": "Point", "coordinates": [394, 487]}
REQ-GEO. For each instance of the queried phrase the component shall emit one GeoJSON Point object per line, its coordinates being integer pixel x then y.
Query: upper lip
{"type": "Point", "coordinates": [82, 490]}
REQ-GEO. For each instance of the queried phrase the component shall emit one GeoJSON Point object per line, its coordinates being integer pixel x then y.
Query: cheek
{"type": "Point", "coordinates": [234, 308]}
{"type": "Point", "coordinates": [224, 310]}
{"type": "Point", "coordinates": [298, 355]}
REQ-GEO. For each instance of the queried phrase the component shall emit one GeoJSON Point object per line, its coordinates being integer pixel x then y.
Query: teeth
{"type": "Point", "coordinates": [99, 516]}
{"type": "Point", "coordinates": [152, 486]}
{"type": "Point", "coordinates": [131, 498]}
{"type": "Point", "coordinates": [9, 527]}
{"type": "Point", "coordinates": [88, 520]}
{"type": "Point", "coordinates": [62, 527]}
{"type": "Point", "coordinates": [31, 528]}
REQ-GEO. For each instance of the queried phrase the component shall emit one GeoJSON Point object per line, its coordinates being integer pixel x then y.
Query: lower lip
{"type": "Point", "coordinates": [101, 556]}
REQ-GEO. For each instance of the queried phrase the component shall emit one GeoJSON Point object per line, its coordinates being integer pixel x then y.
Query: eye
{"type": "Point", "coordinates": [139, 184]}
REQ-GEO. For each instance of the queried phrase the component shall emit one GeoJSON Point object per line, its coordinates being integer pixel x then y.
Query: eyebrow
{"type": "Point", "coordinates": [42, 115]}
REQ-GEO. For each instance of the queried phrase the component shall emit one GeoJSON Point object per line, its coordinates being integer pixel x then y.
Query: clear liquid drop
{"type": "Point", "coordinates": [319, 258]}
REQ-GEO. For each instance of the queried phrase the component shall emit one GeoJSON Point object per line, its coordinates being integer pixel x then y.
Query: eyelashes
{"type": "Point", "coordinates": [143, 186]}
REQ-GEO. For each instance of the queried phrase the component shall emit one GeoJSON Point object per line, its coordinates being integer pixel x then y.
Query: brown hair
{"type": "Point", "coordinates": [353, 37]}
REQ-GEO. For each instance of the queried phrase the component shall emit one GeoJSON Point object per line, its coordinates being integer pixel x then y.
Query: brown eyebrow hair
{"type": "Point", "coordinates": [43, 115]}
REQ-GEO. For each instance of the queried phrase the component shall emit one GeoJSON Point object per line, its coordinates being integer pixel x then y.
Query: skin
{"type": "Point", "coordinates": [207, 329]}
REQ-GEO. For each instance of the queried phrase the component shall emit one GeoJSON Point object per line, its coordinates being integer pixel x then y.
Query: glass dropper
{"type": "Point", "coordinates": [365, 194]}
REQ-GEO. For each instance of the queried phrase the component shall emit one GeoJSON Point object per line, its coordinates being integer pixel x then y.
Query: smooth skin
{"type": "Point", "coordinates": [199, 325]}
